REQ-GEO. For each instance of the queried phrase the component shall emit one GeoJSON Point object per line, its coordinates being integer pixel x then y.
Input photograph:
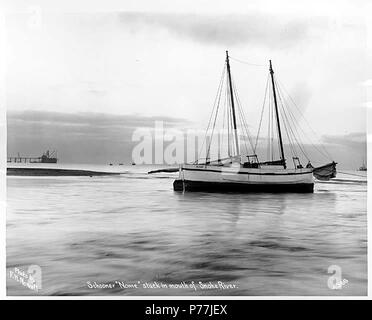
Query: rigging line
{"type": "Point", "coordinates": [326, 155]}
{"type": "Point", "coordinates": [217, 100]}
{"type": "Point", "coordinates": [214, 106]}
{"type": "Point", "coordinates": [228, 112]}
{"type": "Point", "coordinates": [223, 121]}
{"type": "Point", "coordinates": [226, 116]}
{"type": "Point", "coordinates": [248, 134]}
{"type": "Point", "coordinates": [228, 130]}
{"type": "Point", "coordinates": [270, 141]}
{"type": "Point", "coordinates": [234, 93]}
{"type": "Point", "coordinates": [299, 111]}
{"type": "Point", "coordinates": [273, 124]}
{"type": "Point", "coordinates": [299, 143]}
{"type": "Point", "coordinates": [271, 137]}
{"type": "Point", "coordinates": [214, 123]}
{"type": "Point", "coordinates": [296, 135]}
{"type": "Point", "coordinates": [245, 124]}
{"type": "Point", "coordinates": [278, 140]}
{"type": "Point", "coordinates": [248, 63]}
{"type": "Point", "coordinates": [286, 125]}
{"type": "Point", "coordinates": [228, 121]}
{"type": "Point", "coordinates": [262, 112]}
{"type": "Point", "coordinates": [268, 129]}
{"type": "Point", "coordinates": [245, 136]}
{"type": "Point", "coordinates": [231, 126]}
{"type": "Point", "coordinates": [242, 116]}
{"type": "Point", "coordinates": [291, 119]}
{"type": "Point", "coordinates": [284, 119]}
{"type": "Point", "coordinates": [276, 126]}
{"type": "Point", "coordinates": [206, 134]}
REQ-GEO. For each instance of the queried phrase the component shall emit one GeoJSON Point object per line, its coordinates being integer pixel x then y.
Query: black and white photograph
{"type": "Point", "coordinates": [185, 148]}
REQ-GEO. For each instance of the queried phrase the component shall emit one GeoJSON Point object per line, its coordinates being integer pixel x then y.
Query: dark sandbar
{"type": "Point", "coordinates": [55, 172]}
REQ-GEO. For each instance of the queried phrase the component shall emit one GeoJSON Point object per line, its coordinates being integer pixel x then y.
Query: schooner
{"type": "Point", "coordinates": [246, 173]}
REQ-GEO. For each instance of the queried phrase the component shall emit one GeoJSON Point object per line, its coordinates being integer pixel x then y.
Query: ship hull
{"type": "Point", "coordinates": [203, 186]}
{"type": "Point", "coordinates": [49, 160]}
{"type": "Point", "coordinates": [215, 179]}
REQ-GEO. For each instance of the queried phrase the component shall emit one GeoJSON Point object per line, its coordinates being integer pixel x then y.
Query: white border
{"type": "Point", "coordinates": [114, 5]}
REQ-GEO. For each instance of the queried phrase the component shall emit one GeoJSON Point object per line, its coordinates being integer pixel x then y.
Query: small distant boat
{"type": "Point", "coordinates": [326, 172]}
{"type": "Point", "coordinates": [48, 157]}
{"type": "Point", "coordinates": [133, 163]}
{"type": "Point", "coordinates": [363, 167]}
{"type": "Point", "coordinates": [246, 173]}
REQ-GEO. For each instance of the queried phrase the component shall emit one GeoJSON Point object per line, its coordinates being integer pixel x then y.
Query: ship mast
{"type": "Point", "coordinates": [232, 104]}
{"type": "Point", "coordinates": [277, 117]}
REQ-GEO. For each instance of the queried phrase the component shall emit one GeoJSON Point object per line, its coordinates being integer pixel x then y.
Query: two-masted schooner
{"type": "Point", "coordinates": [246, 173]}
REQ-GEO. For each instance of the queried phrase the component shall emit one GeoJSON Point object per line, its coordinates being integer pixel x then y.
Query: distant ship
{"type": "Point", "coordinates": [47, 157]}
{"type": "Point", "coordinates": [363, 167]}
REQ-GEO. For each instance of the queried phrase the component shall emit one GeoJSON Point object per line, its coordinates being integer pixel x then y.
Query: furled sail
{"type": "Point", "coordinates": [326, 171]}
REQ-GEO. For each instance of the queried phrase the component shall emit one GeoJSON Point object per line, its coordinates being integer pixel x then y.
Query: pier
{"type": "Point", "coordinates": [24, 159]}
{"type": "Point", "coordinates": [45, 158]}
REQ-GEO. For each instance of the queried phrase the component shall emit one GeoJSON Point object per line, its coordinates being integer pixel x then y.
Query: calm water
{"type": "Point", "coordinates": [135, 229]}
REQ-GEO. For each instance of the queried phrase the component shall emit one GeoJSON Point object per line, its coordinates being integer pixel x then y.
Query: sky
{"type": "Point", "coordinates": [81, 79]}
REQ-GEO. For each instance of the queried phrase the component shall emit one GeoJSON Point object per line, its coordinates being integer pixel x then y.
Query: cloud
{"type": "Point", "coordinates": [227, 30]}
{"type": "Point", "coordinates": [94, 120]}
{"type": "Point", "coordinates": [79, 137]}
{"type": "Point", "coordinates": [353, 140]}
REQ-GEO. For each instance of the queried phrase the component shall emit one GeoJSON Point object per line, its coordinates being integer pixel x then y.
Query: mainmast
{"type": "Point", "coordinates": [277, 117]}
{"type": "Point", "coordinates": [232, 104]}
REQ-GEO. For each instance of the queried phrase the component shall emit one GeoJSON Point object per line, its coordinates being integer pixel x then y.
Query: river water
{"type": "Point", "coordinates": [131, 234]}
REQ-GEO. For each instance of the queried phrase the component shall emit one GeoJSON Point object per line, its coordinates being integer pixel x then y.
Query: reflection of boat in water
{"type": "Point", "coordinates": [246, 173]}
{"type": "Point", "coordinates": [47, 157]}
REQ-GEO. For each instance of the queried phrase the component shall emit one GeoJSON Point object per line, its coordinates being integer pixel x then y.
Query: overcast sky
{"type": "Point", "coordinates": [97, 61]}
